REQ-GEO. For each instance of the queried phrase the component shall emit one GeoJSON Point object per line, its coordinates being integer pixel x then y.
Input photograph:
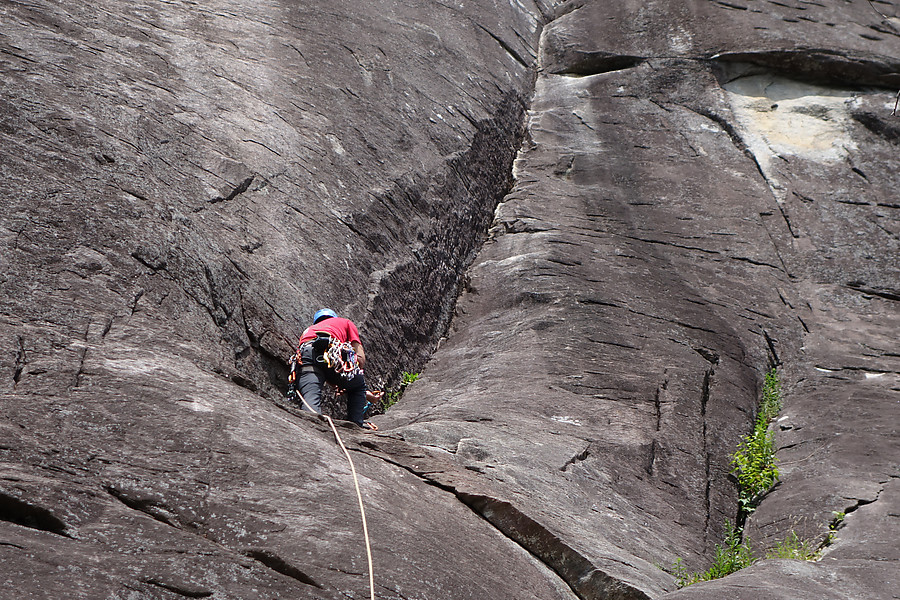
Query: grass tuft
{"type": "Point", "coordinates": [732, 555]}
{"type": "Point", "coordinates": [793, 547]}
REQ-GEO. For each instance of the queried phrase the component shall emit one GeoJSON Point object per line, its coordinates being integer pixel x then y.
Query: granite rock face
{"type": "Point", "coordinates": [629, 213]}
{"type": "Point", "coordinates": [703, 193]}
{"type": "Point", "coordinates": [182, 186]}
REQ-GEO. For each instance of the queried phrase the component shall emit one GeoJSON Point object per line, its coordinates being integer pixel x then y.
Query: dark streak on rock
{"type": "Point", "coordinates": [859, 172]}
{"type": "Point", "coordinates": [278, 564]}
{"type": "Point", "coordinates": [580, 457]}
{"type": "Point", "coordinates": [249, 141]}
{"type": "Point", "coordinates": [657, 403]}
{"type": "Point", "coordinates": [730, 5]}
{"type": "Point", "coordinates": [149, 507]}
{"type": "Point", "coordinates": [509, 50]}
{"type": "Point", "coordinates": [618, 345]}
{"type": "Point", "coordinates": [181, 590]}
{"type": "Point", "coordinates": [134, 301]}
{"type": "Point", "coordinates": [585, 64]}
{"type": "Point", "coordinates": [651, 460]}
{"type": "Point", "coordinates": [597, 302]}
{"type": "Point", "coordinates": [755, 262]}
{"type": "Point", "coordinates": [14, 510]}
{"type": "Point", "coordinates": [218, 311]}
{"type": "Point", "coordinates": [854, 202]}
{"type": "Point", "coordinates": [773, 354]}
{"type": "Point", "coordinates": [150, 259]}
{"type": "Point", "coordinates": [704, 401]}
{"type": "Point", "coordinates": [137, 195]}
{"type": "Point", "coordinates": [17, 54]}
{"type": "Point", "coordinates": [879, 126]}
{"type": "Point", "coordinates": [77, 380]}
{"type": "Point", "coordinates": [824, 65]}
{"type": "Point", "coordinates": [787, 221]}
{"type": "Point", "coordinates": [860, 502]}
{"type": "Point", "coordinates": [802, 198]}
{"type": "Point", "coordinates": [711, 356]}
{"type": "Point", "coordinates": [240, 189]}
{"type": "Point", "coordinates": [886, 293]}
{"type": "Point", "coordinates": [244, 382]}
{"type": "Point", "coordinates": [21, 361]}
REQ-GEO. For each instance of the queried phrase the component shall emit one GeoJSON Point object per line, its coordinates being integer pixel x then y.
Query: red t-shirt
{"type": "Point", "coordinates": [337, 327]}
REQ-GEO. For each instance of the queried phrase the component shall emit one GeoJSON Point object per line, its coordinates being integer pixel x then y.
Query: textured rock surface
{"type": "Point", "coordinates": [702, 189]}
{"type": "Point", "coordinates": [681, 221]}
{"type": "Point", "coordinates": [181, 186]}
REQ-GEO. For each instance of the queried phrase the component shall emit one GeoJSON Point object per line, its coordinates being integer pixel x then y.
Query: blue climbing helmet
{"type": "Point", "coordinates": [323, 313]}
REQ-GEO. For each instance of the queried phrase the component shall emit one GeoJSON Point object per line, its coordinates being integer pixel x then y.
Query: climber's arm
{"type": "Point", "coordinates": [360, 353]}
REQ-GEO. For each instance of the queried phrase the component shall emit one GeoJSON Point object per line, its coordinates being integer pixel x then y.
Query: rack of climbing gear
{"type": "Point", "coordinates": [334, 354]}
{"type": "Point", "coordinates": [342, 359]}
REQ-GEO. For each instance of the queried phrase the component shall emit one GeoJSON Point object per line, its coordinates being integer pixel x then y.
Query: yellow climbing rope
{"type": "Point", "coordinates": [362, 508]}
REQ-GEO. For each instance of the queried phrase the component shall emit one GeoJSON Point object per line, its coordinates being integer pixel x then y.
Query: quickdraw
{"type": "Point", "coordinates": [292, 377]}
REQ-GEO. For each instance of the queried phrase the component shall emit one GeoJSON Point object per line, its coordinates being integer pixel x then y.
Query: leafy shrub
{"type": "Point", "coordinates": [392, 396]}
{"type": "Point", "coordinates": [754, 463]}
{"type": "Point", "coordinates": [754, 460]}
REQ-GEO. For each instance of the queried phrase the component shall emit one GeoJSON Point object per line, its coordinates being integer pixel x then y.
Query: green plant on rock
{"type": "Point", "coordinates": [835, 524]}
{"type": "Point", "coordinates": [754, 461]}
{"type": "Point", "coordinates": [770, 405]}
{"type": "Point", "coordinates": [793, 547]}
{"type": "Point", "coordinates": [735, 554]}
{"type": "Point", "coordinates": [756, 472]}
{"type": "Point", "coordinates": [408, 378]}
{"type": "Point", "coordinates": [683, 577]}
{"type": "Point", "coordinates": [393, 396]}
{"type": "Point", "coordinates": [732, 555]}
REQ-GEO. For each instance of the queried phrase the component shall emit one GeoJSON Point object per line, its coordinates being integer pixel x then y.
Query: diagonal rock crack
{"type": "Point", "coordinates": [279, 565]}
{"type": "Point", "coordinates": [586, 580]}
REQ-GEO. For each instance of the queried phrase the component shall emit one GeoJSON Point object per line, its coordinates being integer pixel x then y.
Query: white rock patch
{"type": "Point", "coordinates": [782, 116]}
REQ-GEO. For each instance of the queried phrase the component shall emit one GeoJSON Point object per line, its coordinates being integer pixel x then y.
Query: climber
{"type": "Point", "coordinates": [330, 351]}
